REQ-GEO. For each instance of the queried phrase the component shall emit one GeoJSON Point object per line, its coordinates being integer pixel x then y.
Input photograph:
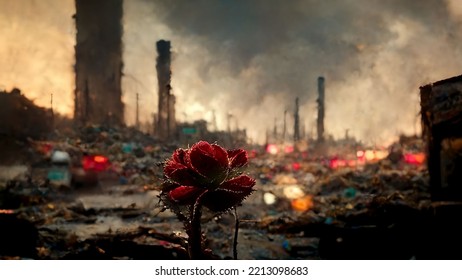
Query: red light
{"type": "Point", "coordinates": [95, 163]}
{"type": "Point", "coordinates": [296, 166]}
{"type": "Point", "coordinates": [335, 163]}
{"type": "Point", "coordinates": [288, 149]}
{"type": "Point", "coordinates": [416, 159]}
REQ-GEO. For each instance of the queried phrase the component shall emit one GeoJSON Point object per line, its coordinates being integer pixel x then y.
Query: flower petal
{"type": "Point", "coordinates": [229, 194]}
{"type": "Point", "coordinates": [201, 159]}
{"type": "Point", "coordinates": [240, 184]}
{"type": "Point", "coordinates": [185, 194]}
{"type": "Point", "coordinates": [179, 173]}
{"type": "Point", "coordinates": [220, 155]}
{"type": "Point", "coordinates": [237, 158]}
{"type": "Point", "coordinates": [179, 156]}
{"type": "Point", "coordinates": [222, 200]}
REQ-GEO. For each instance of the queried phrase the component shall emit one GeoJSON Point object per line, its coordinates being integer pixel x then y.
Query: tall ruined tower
{"type": "Point", "coordinates": [98, 62]}
{"type": "Point", "coordinates": [166, 123]}
{"type": "Point", "coordinates": [321, 109]}
{"type": "Point", "coordinates": [296, 121]}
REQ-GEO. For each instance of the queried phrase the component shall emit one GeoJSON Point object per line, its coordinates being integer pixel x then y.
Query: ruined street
{"type": "Point", "coordinates": [231, 130]}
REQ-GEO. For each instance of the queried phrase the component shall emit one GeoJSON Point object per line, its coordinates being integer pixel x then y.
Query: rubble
{"type": "Point", "coordinates": [302, 208]}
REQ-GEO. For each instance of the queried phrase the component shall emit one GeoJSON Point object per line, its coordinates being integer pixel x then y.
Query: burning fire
{"type": "Point", "coordinates": [414, 158]}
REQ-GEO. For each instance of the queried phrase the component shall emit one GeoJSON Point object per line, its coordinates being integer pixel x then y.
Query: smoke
{"type": "Point", "coordinates": [253, 58]}
{"type": "Point", "coordinates": [37, 39]}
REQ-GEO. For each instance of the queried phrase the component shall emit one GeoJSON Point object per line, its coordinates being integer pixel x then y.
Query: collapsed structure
{"type": "Point", "coordinates": [441, 112]}
{"type": "Point", "coordinates": [98, 65]}
{"type": "Point", "coordinates": [166, 123]}
{"type": "Point", "coordinates": [20, 118]}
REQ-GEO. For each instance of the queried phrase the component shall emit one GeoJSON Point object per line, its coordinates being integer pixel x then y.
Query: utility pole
{"type": "Point", "coordinates": [275, 130]}
{"type": "Point", "coordinates": [137, 111]}
{"type": "Point", "coordinates": [52, 113]}
{"type": "Point", "coordinates": [51, 105]}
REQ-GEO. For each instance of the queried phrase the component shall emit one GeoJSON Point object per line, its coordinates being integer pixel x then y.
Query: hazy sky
{"type": "Point", "coordinates": [252, 58]}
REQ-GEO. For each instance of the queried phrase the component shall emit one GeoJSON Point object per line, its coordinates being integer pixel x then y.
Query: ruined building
{"type": "Point", "coordinates": [98, 66]}
{"type": "Point", "coordinates": [166, 123]}
{"type": "Point", "coordinates": [296, 122]}
{"type": "Point", "coordinates": [321, 109]}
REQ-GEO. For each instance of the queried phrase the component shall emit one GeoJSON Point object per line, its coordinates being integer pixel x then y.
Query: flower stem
{"type": "Point", "coordinates": [236, 233]}
{"type": "Point", "coordinates": [195, 231]}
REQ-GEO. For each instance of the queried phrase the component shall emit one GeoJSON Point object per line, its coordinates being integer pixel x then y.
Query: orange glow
{"type": "Point", "coordinates": [6, 211]}
{"type": "Point", "coordinates": [302, 204]}
{"type": "Point", "coordinates": [417, 158]}
{"type": "Point", "coordinates": [374, 155]}
{"type": "Point", "coordinates": [100, 159]}
{"type": "Point", "coordinates": [351, 163]}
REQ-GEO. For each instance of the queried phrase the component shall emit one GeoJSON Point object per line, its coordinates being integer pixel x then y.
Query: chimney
{"type": "Point", "coordinates": [321, 109]}
{"type": "Point", "coordinates": [98, 62]}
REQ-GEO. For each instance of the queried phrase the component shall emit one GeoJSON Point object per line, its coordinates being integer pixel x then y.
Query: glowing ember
{"type": "Point", "coordinates": [302, 204]}
{"type": "Point", "coordinates": [6, 211]}
{"type": "Point", "coordinates": [100, 159]}
{"type": "Point", "coordinates": [416, 158]}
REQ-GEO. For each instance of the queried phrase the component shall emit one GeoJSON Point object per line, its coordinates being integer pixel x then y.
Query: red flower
{"type": "Point", "coordinates": [208, 168]}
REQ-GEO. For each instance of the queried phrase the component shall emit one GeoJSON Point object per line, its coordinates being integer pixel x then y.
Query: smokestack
{"type": "Point", "coordinates": [321, 109]}
{"type": "Point", "coordinates": [284, 129]}
{"type": "Point", "coordinates": [98, 65]}
{"type": "Point", "coordinates": [166, 107]}
{"type": "Point", "coordinates": [296, 122]}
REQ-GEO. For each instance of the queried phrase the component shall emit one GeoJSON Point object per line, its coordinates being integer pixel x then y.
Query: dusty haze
{"type": "Point", "coordinates": [252, 58]}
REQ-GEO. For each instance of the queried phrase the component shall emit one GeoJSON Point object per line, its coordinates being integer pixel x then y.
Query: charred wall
{"type": "Point", "coordinates": [98, 66]}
